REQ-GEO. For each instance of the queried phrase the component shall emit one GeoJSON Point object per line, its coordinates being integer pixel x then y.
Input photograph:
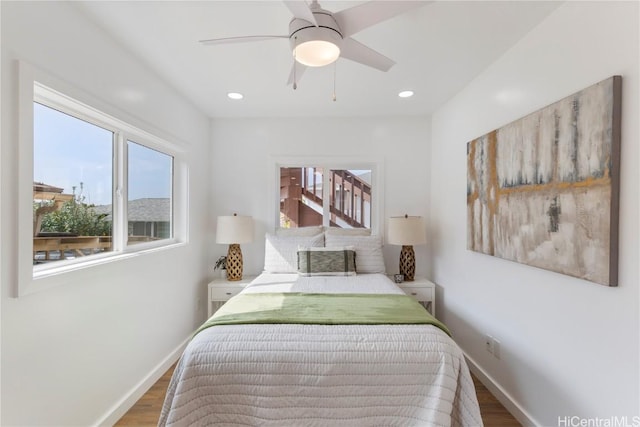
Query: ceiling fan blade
{"type": "Point", "coordinates": [241, 39]}
{"type": "Point", "coordinates": [300, 9]}
{"type": "Point", "coordinates": [356, 51]}
{"type": "Point", "coordinates": [299, 71]}
{"type": "Point", "coordinates": [363, 16]}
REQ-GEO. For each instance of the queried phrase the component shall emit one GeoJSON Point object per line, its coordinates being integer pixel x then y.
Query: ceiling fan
{"type": "Point", "coordinates": [319, 37]}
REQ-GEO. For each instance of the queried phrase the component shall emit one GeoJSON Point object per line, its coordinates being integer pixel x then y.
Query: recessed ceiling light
{"type": "Point", "coordinates": [406, 94]}
{"type": "Point", "coordinates": [235, 95]}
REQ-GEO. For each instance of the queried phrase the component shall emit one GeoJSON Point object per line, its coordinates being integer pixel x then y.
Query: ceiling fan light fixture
{"type": "Point", "coordinates": [315, 46]}
{"type": "Point", "coordinates": [316, 53]}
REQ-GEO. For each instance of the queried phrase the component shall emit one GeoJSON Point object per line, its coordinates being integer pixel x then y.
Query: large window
{"type": "Point", "coordinates": [325, 196]}
{"type": "Point", "coordinates": [100, 186]}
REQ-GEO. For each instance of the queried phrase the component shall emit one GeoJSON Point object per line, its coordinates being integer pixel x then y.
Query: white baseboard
{"type": "Point", "coordinates": [123, 405]}
{"type": "Point", "coordinates": [503, 397]}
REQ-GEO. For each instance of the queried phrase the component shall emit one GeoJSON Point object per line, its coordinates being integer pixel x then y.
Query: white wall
{"type": "Point", "coordinates": [71, 354]}
{"type": "Point", "coordinates": [569, 347]}
{"type": "Point", "coordinates": [241, 170]}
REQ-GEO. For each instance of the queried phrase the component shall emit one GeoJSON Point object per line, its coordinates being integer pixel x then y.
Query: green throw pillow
{"type": "Point", "coordinates": [327, 262]}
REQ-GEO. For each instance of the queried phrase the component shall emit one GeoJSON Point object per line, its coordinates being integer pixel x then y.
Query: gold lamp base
{"type": "Point", "coordinates": [407, 262]}
{"type": "Point", "coordinates": [234, 263]}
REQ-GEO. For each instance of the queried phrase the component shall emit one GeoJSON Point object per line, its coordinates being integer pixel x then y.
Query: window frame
{"type": "Point", "coordinates": [36, 86]}
{"type": "Point", "coordinates": [376, 165]}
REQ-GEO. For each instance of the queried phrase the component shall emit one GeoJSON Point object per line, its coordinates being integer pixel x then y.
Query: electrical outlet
{"type": "Point", "coordinates": [488, 343]}
{"type": "Point", "coordinates": [496, 348]}
{"type": "Point", "coordinates": [198, 305]}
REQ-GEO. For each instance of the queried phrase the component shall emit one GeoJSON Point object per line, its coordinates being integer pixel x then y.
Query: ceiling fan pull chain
{"type": "Point", "coordinates": [335, 66]}
{"type": "Point", "coordinates": [295, 84]}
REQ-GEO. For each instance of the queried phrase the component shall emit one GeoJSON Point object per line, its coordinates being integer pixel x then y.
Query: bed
{"type": "Point", "coordinates": [333, 365]}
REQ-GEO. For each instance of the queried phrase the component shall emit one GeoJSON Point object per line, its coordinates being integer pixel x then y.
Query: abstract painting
{"type": "Point", "coordinates": [543, 190]}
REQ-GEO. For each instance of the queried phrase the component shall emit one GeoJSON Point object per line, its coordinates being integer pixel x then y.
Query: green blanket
{"type": "Point", "coordinates": [322, 309]}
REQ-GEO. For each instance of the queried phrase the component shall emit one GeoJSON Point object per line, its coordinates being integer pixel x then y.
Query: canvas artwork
{"type": "Point", "coordinates": [543, 190]}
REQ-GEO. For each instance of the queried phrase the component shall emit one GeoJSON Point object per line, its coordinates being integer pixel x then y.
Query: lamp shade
{"type": "Point", "coordinates": [234, 229]}
{"type": "Point", "coordinates": [406, 230]}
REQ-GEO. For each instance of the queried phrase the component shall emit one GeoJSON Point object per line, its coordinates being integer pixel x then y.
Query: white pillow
{"type": "Point", "coordinates": [300, 231]}
{"type": "Point", "coordinates": [348, 231]}
{"type": "Point", "coordinates": [369, 258]}
{"type": "Point", "coordinates": [281, 252]}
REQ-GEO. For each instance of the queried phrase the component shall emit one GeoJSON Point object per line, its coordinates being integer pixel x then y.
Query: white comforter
{"type": "Point", "coordinates": [322, 375]}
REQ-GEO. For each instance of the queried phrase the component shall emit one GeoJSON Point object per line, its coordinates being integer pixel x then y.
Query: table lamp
{"type": "Point", "coordinates": [407, 231]}
{"type": "Point", "coordinates": [234, 230]}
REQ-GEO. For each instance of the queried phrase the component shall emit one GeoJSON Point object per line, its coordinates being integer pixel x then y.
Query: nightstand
{"type": "Point", "coordinates": [423, 290]}
{"type": "Point", "coordinates": [221, 290]}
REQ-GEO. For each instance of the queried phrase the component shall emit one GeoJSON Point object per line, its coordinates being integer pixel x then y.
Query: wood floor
{"type": "Point", "coordinates": [147, 410]}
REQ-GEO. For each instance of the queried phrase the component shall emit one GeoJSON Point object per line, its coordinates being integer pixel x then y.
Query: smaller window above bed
{"type": "Point", "coordinates": [330, 197]}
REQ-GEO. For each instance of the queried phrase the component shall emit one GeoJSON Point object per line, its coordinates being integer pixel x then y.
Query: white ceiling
{"type": "Point", "coordinates": [438, 48]}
